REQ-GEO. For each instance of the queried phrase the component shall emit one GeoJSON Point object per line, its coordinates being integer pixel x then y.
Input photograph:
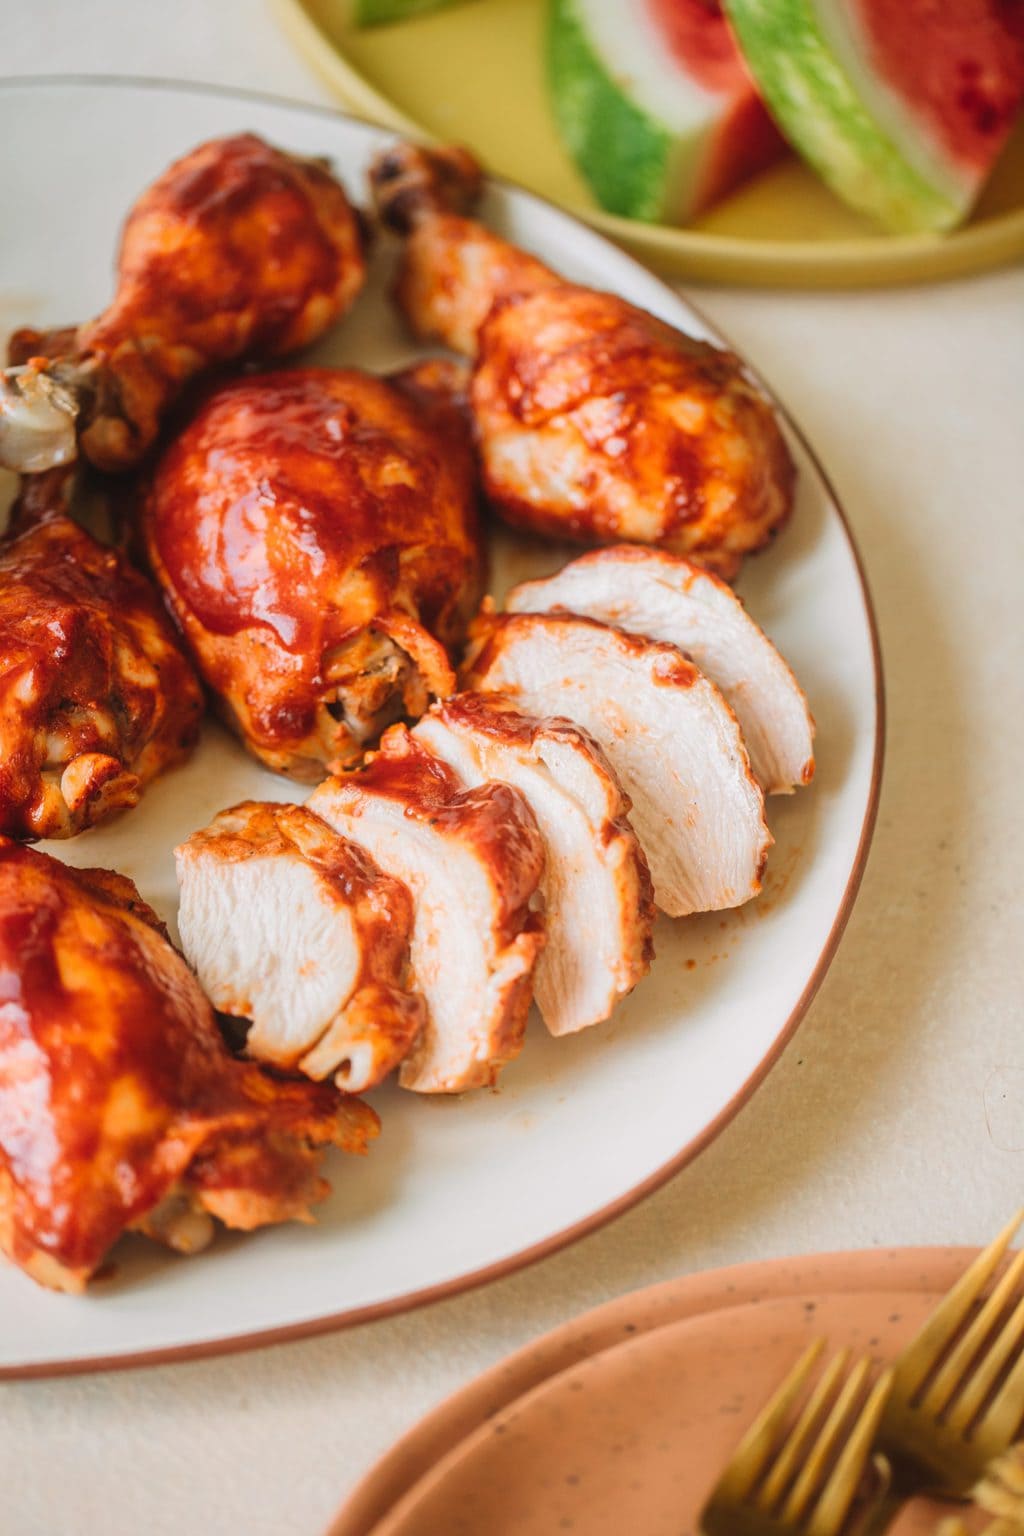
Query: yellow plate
{"type": "Point", "coordinates": [475, 74]}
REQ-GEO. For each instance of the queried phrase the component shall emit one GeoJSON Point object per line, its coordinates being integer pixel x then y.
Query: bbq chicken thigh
{"type": "Point", "coordinates": [315, 533]}
{"type": "Point", "coordinates": [472, 860]}
{"type": "Point", "coordinates": [96, 697]}
{"type": "Point", "coordinates": [596, 887]}
{"type": "Point", "coordinates": [666, 597]}
{"type": "Point", "coordinates": [595, 421]}
{"type": "Point", "coordinates": [668, 733]}
{"type": "Point", "coordinates": [323, 986]}
{"type": "Point", "coordinates": [120, 1106]}
{"type": "Point", "coordinates": [237, 251]}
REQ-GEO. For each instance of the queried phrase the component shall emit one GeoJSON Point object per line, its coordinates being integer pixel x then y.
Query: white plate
{"type": "Point", "coordinates": [455, 1191]}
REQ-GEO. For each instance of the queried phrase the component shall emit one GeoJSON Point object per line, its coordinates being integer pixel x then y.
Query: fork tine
{"type": "Point", "coordinates": [791, 1452]}
{"type": "Point", "coordinates": [810, 1481]}
{"type": "Point", "coordinates": [948, 1316]}
{"type": "Point", "coordinates": [988, 1370]}
{"type": "Point", "coordinates": [836, 1497]}
{"type": "Point", "coordinates": [1003, 1415]}
{"type": "Point", "coordinates": [955, 1368]}
{"type": "Point", "coordinates": [752, 1454]}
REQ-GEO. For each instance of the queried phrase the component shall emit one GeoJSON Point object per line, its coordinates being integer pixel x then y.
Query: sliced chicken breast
{"type": "Point", "coordinates": [473, 861]}
{"type": "Point", "coordinates": [598, 898]}
{"type": "Point", "coordinates": [667, 597]}
{"type": "Point", "coordinates": [668, 733]}
{"type": "Point", "coordinates": [293, 927]}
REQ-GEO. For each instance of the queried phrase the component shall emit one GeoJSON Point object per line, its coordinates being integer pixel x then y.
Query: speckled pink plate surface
{"type": "Point", "coordinates": [672, 1373]}
{"type": "Point", "coordinates": [635, 1438]}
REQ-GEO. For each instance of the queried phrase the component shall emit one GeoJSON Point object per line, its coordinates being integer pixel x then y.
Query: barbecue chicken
{"type": "Point", "coordinates": [595, 420]}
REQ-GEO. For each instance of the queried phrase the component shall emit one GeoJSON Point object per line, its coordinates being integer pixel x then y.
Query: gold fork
{"type": "Point", "coordinates": [802, 1480]}
{"type": "Point", "coordinates": [958, 1389]}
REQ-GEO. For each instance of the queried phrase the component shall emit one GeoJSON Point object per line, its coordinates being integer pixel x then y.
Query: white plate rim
{"type": "Point", "coordinates": [532, 1253]}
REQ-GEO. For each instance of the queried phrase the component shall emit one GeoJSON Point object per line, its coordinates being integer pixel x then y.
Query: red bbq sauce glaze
{"type": "Point", "coordinates": [88, 654]}
{"type": "Point", "coordinates": [494, 818]}
{"type": "Point", "coordinates": [574, 357]}
{"type": "Point", "coordinates": [114, 1077]}
{"type": "Point", "coordinates": [299, 510]}
{"type": "Point", "coordinates": [236, 247]}
{"type": "Point", "coordinates": [290, 499]}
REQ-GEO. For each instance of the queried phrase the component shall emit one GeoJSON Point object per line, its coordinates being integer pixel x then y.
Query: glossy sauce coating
{"type": "Point", "coordinates": [116, 1088]}
{"type": "Point", "coordinates": [300, 514]}
{"type": "Point", "coordinates": [229, 248]}
{"type": "Point", "coordinates": [598, 422]}
{"type": "Point", "coordinates": [237, 250]}
{"type": "Point", "coordinates": [494, 819]}
{"type": "Point", "coordinates": [96, 697]}
{"type": "Point", "coordinates": [594, 420]}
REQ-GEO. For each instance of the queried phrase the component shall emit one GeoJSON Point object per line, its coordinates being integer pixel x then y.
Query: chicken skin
{"type": "Point", "coordinates": [315, 533]}
{"type": "Point", "coordinates": [594, 420]}
{"type": "Point", "coordinates": [96, 697]}
{"type": "Point", "coordinates": [120, 1106]}
{"type": "Point", "coordinates": [237, 251]}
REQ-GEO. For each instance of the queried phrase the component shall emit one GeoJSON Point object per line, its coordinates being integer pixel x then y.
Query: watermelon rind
{"type": "Point", "coordinates": [624, 153]}
{"type": "Point", "coordinates": [826, 119]}
{"type": "Point", "coordinates": [375, 13]}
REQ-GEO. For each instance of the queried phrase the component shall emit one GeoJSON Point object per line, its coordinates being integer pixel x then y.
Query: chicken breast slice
{"type": "Point", "coordinates": [668, 733]}
{"type": "Point", "coordinates": [473, 861]}
{"type": "Point", "coordinates": [598, 897]}
{"type": "Point", "coordinates": [291, 926]}
{"type": "Point", "coordinates": [667, 597]}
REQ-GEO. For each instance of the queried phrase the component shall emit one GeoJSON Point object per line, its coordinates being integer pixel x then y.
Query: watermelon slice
{"type": "Point", "coordinates": [655, 104]}
{"type": "Point", "coordinates": [902, 106]}
{"type": "Point", "coordinates": [372, 13]}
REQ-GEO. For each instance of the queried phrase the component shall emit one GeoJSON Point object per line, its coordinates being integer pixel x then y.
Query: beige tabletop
{"type": "Point", "coordinates": [897, 1113]}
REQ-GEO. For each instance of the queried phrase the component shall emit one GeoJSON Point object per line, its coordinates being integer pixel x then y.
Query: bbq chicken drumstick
{"type": "Point", "coordinates": [120, 1106]}
{"type": "Point", "coordinates": [315, 534]}
{"type": "Point", "coordinates": [595, 421]}
{"type": "Point", "coordinates": [237, 251]}
{"type": "Point", "coordinates": [96, 697]}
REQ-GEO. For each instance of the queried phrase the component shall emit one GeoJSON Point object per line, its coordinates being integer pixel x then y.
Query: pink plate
{"type": "Point", "coordinates": [681, 1364]}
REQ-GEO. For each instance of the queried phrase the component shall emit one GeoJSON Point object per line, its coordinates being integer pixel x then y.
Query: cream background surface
{"type": "Point", "coordinates": [896, 1115]}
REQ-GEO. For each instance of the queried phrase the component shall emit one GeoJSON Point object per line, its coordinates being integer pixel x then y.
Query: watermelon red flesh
{"type": "Point", "coordinates": [655, 105]}
{"type": "Point", "coordinates": [959, 66]}
{"type": "Point", "coordinates": [901, 105]}
{"type": "Point", "coordinates": [698, 37]}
